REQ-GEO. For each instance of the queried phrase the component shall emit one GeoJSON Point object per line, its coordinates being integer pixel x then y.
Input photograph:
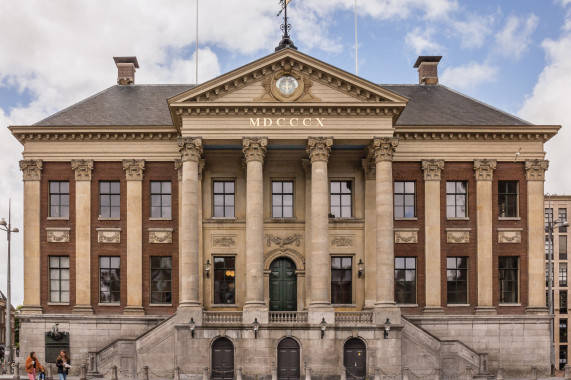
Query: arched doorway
{"type": "Point", "coordinates": [354, 358]}
{"type": "Point", "coordinates": [283, 285]}
{"type": "Point", "coordinates": [288, 359]}
{"type": "Point", "coordinates": [222, 359]}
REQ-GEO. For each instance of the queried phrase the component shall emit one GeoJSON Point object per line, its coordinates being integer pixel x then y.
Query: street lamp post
{"type": "Point", "coordinates": [8, 228]}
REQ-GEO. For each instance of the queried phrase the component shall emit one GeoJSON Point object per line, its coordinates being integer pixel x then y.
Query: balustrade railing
{"type": "Point", "coordinates": [222, 317]}
{"type": "Point", "coordinates": [353, 317]}
{"type": "Point", "coordinates": [289, 317]}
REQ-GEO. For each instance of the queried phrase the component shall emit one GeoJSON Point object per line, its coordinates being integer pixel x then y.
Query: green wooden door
{"type": "Point", "coordinates": [283, 286]}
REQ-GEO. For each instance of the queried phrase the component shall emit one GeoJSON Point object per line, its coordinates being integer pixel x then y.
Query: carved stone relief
{"type": "Point", "coordinates": [160, 235]}
{"type": "Point", "coordinates": [406, 236]}
{"type": "Point", "coordinates": [109, 235]}
{"type": "Point", "coordinates": [342, 241]}
{"type": "Point", "coordinates": [457, 236]}
{"type": "Point", "coordinates": [224, 241]}
{"type": "Point", "coordinates": [294, 239]}
{"type": "Point", "coordinates": [58, 235]}
{"type": "Point", "coordinates": [509, 236]}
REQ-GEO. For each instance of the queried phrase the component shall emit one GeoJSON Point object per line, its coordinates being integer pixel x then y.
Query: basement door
{"type": "Point", "coordinates": [354, 358]}
{"type": "Point", "coordinates": [283, 285]}
{"type": "Point", "coordinates": [222, 359]}
{"type": "Point", "coordinates": [288, 359]}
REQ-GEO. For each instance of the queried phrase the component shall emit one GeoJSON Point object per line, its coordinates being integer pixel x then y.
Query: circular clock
{"type": "Point", "coordinates": [287, 85]}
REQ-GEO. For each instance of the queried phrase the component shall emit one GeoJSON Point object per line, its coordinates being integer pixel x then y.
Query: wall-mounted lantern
{"type": "Point", "coordinates": [387, 328]}
{"type": "Point", "coordinates": [207, 268]}
{"type": "Point", "coordinates": [192, 326]}
{"type": "Point", "coordinates": [256, 327]}
{"type": "Point", "coordinates": [360, 267]}
{"type": "Point", "coordinates": [323, 325]}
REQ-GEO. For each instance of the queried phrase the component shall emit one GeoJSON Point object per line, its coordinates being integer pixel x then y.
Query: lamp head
{"type": "Point", "coordinates": [323, 324]}
{"type": "Point", "coordinates": [3, 222]}
{"type": "Point", "coordinates": [256, 324]}
{"type": "Point", "coordinates": [207, 268]}
{"type": "Point", "coordinates": [361, 267]}
{"type": "Point", "coordinates": [15, 229]}
{"type": "Point", "coordinates": [192, 324]}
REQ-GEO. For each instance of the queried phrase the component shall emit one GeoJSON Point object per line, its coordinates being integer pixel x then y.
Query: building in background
{"type": "Point", "coordinates": [556, 207]}
{"type": "Point", "coordinates": [3, 325]}
{"type": "Point", "coordinates": [291, 212]}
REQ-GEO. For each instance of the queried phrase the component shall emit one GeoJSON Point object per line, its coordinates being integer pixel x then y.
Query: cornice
{"type": "Point", "coordinates": [477, 132]}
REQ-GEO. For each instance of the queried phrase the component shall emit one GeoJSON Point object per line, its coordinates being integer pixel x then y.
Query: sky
{"type": "Point", "coordinates": [512, 54]}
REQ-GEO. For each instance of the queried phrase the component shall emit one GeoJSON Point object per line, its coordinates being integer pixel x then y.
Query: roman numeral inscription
{"type": "Point", "coordinates": [287, 122]}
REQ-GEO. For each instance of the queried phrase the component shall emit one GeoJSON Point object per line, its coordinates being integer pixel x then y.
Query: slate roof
{"type": "Point", "coordinates": [146, 105]}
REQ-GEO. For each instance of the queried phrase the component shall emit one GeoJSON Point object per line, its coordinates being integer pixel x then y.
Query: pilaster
{"type": "Point", "coordinates": [370, 174]}
{"type": "Point", "coordinates": [306, 166]}
{"type": "Point", "coordinates": [432, 175]}
{"type": "Point", "coordinates": [31, 174]}
{"type": "Point", "coordinates": [483, 172]}
{"type": "Point", "coordinates": [83, 170]}
{"type": "Point", "coordinates": [134, 170]}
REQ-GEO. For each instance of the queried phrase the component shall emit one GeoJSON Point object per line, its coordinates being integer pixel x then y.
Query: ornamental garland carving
{"type": "Point", "coordinates": [294, 239]}
{"type": "Point", "coordinates": [82, 169]}
{"type": "Point", "coordinates": [134, 169]}
{"type": "Point", "coordinates": [31, 169]}
{"type": "Point", "coordinates": [58, 235]}
{"type": "Point", "coordinates": [109, 235]}
{"type": "Point", "coordinates": [342, 241]}
{"type": "Point", "coordinates": [406, 237]}
{"type": "Point", "coordinates": [432, 169]}
{"type": "Point", "coordinates": [383, 148]}
{"type": "Point", "coordinates": [318, 148]}
{"type": "Point", "coordinates": [484, 169]}
{"type": "Point", "coordinates": [535, 169]}
{"type": "Point", "coordinates": [458, 237]}
{"type": "Point", "coordinates": [254, 148]}
{"type": "Point", "coordinates": [223, 241]}
{"type": "Point", "coordinates": [160, 235]}
{"type": "Point", "coordinates": [190, 148]}
{"type": "Point", "coordinates": [509, 236]}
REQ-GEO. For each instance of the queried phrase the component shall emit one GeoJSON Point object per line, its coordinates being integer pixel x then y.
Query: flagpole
{"type": "Point", "coordinates": [356, 48]}
{"type": "Point", "coordinates": [196, 54]}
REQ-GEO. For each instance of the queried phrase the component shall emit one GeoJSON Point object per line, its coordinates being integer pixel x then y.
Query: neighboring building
{"type": "Point", "coordinates": [285, 211]}
{"type": "Point", "coordinates": [556, 207]}
{"type": "Point", "coordinates": [3, 324]}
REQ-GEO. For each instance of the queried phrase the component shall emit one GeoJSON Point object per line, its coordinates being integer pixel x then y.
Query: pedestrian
{"type": "Point", "coordinates": [33, 366]}
{"type": "Point", "coordinates": [63, 365]}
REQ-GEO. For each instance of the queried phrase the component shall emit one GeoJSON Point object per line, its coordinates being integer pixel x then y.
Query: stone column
{"type": "Point", "coordinates": [382, 150]}
{"type": "Point", "coordinates": [83, 170]}
{"type": "Point", "coordinates": [535, 176]}
{"type": "Point", "coordinates": [134, 175]}
{"type": "Point", "coordinates": [370, 169]}
{"type": "Point", "coordinates": [306, 165]}
{"type": "Point", "coordinates": [190, 150]}
{"type": "Point", "coordinates": [32, 174]}
{"type": "Point", "coordinates": [432, 175]}
{"type": "Point", "coordinates": [318, 149]}
{"type": "Point", "coordinates": [178, 168]}
{"type": "Point", "coordinates": [484, 170]}
{"type": "Point", "coordinates": [254, 149]}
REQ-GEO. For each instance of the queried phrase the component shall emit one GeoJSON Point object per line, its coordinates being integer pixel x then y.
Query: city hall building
{"type": "Point", "coordinates": [285, 219]}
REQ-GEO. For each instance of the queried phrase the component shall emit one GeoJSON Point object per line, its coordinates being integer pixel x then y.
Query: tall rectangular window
{"type": "Point", "coordinates": [59, 199]}
{"type": "Point", "coordinates": [59, 278]}
{"type": "Point", "coordinates": [109, 199]}
{"type": "Point", "coordinates": [548, 216]}
{"type": "Point", "coordinates": [161, 194]}
{"type": "Point", "coordinates": [509, 279]}
{"type": "Point", "coordinates": [341, 280]}
{"type": "Point", "coordinates": [457, 280]}
{"type": "Point", "coordinates": [563, 218]}
{"type": "Point", "coordinates": [562, 357]}
{"type": "Point", "coordinates": [563, 330]}
{"type": "Point", "coordinates": [562, 274]}
{"type": "Point", "coordinates": [405, 199]}
{"type": "Point", "coordinates": [109, 279]}
{"type": "Point", "coordinates": [456, 200]}
{"type": "Point", "coordinates": [282, 199]}
{"type": "Point", "coordinates": [405, 280]}
{"type": "Point", "coordinates": [563, 302]}
{"type": "Point", "coordinates": [562, 247]}
{"type": "Point", "coordinates": [225, 280]}
{"type": "Point", "coordinates": [161, 279]}
{"type": "Point", "coordinates": [224, 196]}
{"type": "Point", "coordinates": [341, 199]}
{"type": "Point", "coordinates": [507, 199]}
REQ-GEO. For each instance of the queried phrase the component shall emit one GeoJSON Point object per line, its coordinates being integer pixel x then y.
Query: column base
{"type": "Point", "coordinates": [188, 310]}
{"type": "Point", "coordinates": [384, 311]}
{"type": "Point", "coordinates": [31, 309]}
{"type": "Point", "coordinates": [82, 309]}
{"type": "Point", "coordinates": [253, 311]}
{"type": "Point", "coordinates": [485, 310]}
{"type": "Point", "coordinates": [536, 310]}
{"type": "Point", "coordinates": [433, 310]}
{"type": "Point", "coordinates": [134, 310]}
{"type": "Point", "coordinates": [318, 311]}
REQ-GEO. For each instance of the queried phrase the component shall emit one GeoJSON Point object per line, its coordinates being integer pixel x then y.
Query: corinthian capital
{"type": "Point", "coordinates": [254, 148]}
{"type": "Point", "coordinates": [432, 169]}
{"type": "Point", "coordinates": [82, 169]}
{"type": "Point", "coordinates": [383, 148]}
{"type": "Point", "coordinates": [31, 169]}
{"type": "Point", "coordinates": [318, 148]}
{"type": "Point", "coordinates": [484, 169]}
{"type": "Point", "coordinates": [190, 148]}
{"type": "Point", "coordinates": [535, 169]}
{"type": "Point", "coordinates": [134, 169]}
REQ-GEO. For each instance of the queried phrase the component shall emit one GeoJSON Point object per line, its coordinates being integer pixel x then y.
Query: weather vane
{"type": "Point", "coordinates": [286, 41]}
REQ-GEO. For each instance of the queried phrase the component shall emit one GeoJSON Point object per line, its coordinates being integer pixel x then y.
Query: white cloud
{"type": "Point", "coordinates": [420, 41]}
{"type": "Point", "coordinates": [515, 37]}
{"type": "Point", "coordinates": [474, 31]}
{"type": "Point", "coordinates": [469, 76]}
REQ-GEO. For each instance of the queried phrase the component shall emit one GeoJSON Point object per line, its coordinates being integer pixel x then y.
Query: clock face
{"type": "Point", "coordinates": [286, 85]}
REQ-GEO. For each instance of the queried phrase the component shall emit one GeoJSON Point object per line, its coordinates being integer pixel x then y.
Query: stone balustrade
{"type": "Point", "coordinates": [222, 317]}
{"type": "Point", "coordinates": [352, 317]}
{"type": "Point", "coordinates": [288, 317]}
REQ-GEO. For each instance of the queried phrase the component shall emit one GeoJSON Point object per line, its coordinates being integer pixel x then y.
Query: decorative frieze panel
{"type": "Point", "coordinates": [406, 235]}
{"type": "Point", "coordinates": [160, 235]}
{"type": "Point", "coordinates": [509, 235]}
{"type": "Point", "coordinates": [458, 235]}
{"type": "Point", "coordinates": [224, 241]}
{"type": "Point", "coordinates": [58, 234]}
{"type": "Point", "coordinates": [342, 241]}
{"type": "Point", "coordinates": [109, 235]}
{"type": "Point", "coordinates": [288, 240]}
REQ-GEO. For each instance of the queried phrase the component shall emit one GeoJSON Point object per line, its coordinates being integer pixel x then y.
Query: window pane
{"type": "Point", "coordinates": [229, 187]}
{"type": "Point", "coordinates": [409, 187]}
{"type": "Point", "coordinates": [335, 187]}
{"type": "Point", "coordinates": [346, 187]}
{"type": "Point", "coordinates": [218, 187]}
{"type": "Point", "coordinates": [166, 187]}
{"type": "Point", "coordinates": [276, 187]}
{"type": "Point", "coordinates": [104, 187]}
{"type": "Point", "coordinates": [288, 200]}
{"type": "Point", "coordinates": [277, 200]}
{"type": "Point", "coordinates": [115, 187]}
{"type": "Point", "coordinates": [288, 187]}
{"type": "Point", "coordinates": [155, 187]}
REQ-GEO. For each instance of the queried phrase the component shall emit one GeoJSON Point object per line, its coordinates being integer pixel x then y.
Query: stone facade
{"type": "Point", "coordinates": [223, 283]}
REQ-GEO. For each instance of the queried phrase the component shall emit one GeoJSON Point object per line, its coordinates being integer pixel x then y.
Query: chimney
{"type": "Point", "coordinates": [126, 69]}
{"type": "Point", "coordinates": [427, 69]}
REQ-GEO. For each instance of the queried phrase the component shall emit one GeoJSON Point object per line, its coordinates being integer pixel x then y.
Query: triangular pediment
{"type": "Point", "coordinates": [286, 78]}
